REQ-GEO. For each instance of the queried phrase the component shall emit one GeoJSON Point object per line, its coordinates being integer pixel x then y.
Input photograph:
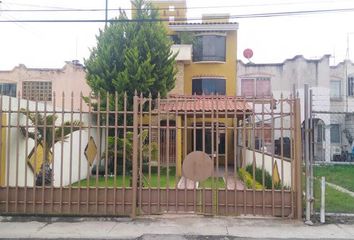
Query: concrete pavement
{"type": "Point", "coordinates": [169, 227]}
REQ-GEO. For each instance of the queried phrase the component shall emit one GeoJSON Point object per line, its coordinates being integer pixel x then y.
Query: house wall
{"type": "Point", "coordinates": [18, 149]}
{"type": "Point", "coordinates": [69, 79]}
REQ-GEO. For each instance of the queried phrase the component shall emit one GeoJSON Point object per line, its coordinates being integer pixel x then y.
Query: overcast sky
{"type": "Point", "coordinates": [272, 39]}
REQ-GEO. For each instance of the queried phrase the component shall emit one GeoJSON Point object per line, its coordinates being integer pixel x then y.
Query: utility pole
{"type": "Point", "coordinates": [106, 14]}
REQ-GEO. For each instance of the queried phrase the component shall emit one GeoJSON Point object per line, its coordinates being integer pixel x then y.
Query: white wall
{"type": "Point", "coordinates": [14, 138]}
{"type": "Point", "coordinates": [268, 160]}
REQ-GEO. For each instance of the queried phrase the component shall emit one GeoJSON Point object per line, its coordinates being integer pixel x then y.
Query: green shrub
{"type": "Point", "coordinates": [259, 176]}
{"type": "Point", "coordinates": [248, 179]}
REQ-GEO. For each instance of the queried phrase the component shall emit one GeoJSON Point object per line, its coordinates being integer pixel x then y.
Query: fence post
{"type": "Point", "coordinates": [323, 200]}
{"type": "Point", "coordinates": [135, 154]}
{"type": "Point", "coordinates": [298, 158]}
{"type": "Point", "coordinates": [307, 155]}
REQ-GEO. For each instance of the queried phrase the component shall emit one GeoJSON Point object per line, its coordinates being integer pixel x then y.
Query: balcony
{"type": "Point", "coordinates": [184, 52]}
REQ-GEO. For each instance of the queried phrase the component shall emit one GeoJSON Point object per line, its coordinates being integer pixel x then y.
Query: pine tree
{"type": "Point", "coordinates": [132, 55]}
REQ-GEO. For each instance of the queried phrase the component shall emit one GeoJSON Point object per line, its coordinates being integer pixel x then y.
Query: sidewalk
{"type": "Point", "coordinates": [169, 227]}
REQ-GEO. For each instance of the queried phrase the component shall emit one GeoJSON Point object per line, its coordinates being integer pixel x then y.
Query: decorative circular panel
{"type": "Point", "coordinates": [197, 166]}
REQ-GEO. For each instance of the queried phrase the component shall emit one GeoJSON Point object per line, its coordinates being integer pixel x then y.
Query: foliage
{"type": "Point", "coordinates": [117, 145]}
{"type": "Point", "coordinates": [248, 179]}
{"type": "Point", "coordinates": [44, 132]}
{"type": "Point", "coordinates": [132, 55]}
{"type": "Point", "coordinates": [259, 176]}
{"type": "Point", "coordinates": [186, 37]}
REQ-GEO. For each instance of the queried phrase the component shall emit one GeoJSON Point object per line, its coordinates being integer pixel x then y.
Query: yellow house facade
{"type": "Point", "coordinates": [206, 63]}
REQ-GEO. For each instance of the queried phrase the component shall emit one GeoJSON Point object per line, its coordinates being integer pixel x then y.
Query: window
{"type": "Point", "coordinates": [209, 86]}
{"type": "Point", "coordinates": [209, 48]}
{"type": "Point", "coordinates": [335, 89]}
{"type": "Point", "coordinates": [171, 8]}
{"type": "Point", "coordinates": [37, 90]}
{"type": "Point", "coordinates": [8, 89]}
{"type": "Point", "coordinates": [256, 87]}
{"type": "Point", "coordinates": [219, 142]}
{"type": "Point", "coordinates": [351, 86]}
{"type": "Point", "coordinates": [335, 134]}
{"type": "Point", "coordinates": [320, 133]}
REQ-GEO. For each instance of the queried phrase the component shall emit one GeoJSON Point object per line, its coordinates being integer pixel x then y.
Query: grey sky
{"type": "Point", "coordinates": [272, 39]}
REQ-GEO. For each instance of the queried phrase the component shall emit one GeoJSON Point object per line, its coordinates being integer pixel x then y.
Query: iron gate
{"type": "Point", "coordinates": [108, 158]}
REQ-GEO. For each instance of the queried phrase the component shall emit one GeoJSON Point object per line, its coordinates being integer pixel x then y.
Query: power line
{"type": "Point", "coordinates": [235, 17]}
{"type": "Point", "coordinates": [62, 9]}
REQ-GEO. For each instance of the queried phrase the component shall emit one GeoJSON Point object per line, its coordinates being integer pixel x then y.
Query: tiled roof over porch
{"type": "Point", "coordinates": [199, 103]}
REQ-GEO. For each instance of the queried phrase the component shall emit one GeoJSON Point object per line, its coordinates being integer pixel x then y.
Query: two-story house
{"type": "Point", "coordinates": [206, 73]}
{"type": "Point", "coordinates": [332, 99]}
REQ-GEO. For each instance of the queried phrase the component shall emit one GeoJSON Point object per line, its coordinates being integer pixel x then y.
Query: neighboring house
{"type": "Point", "coordinates": [39, 84]}
{"type": "Point", "coordinates": [206, 66]}
{"type": "Point", "coordinates": [333, 96]}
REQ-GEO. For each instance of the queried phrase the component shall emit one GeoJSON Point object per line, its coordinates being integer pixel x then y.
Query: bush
{"type": "Point", "coordinates": [259, 176]}
{"type": "Point", "coordinates": [248, 179]}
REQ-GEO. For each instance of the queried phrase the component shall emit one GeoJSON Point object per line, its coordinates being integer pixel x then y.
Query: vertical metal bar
{"type": "Point", "coordinates": [273, 129]}
{"type": "Point", "coordinates": [150, 142]}
{"type": "Point", "coordinates": [140, 147]}
{"type": "Point", "coordinates": [235, 133]}
{"type": "Point", "coordinates": [98, 163]}
{"type": "Point", "coordinates": [1, 142]}
{"type": "Point", "coordinates": [253, 147]}
{"type": "Point", "coordinates": [8, 156]}
{"type": "Point", "coordinates": [282, 152]}
{"type": "Point", "coordinates": [53, 155]}
{"type": "Point", "coordinates": [17, 150]}
{"type": "Point", "coordinates": [44, 160]}
{"type": "Point", "coordinates": [88, 174]}
{"type": "Point", "coordinates": [217, 151]}
{"type": "Point", "coordinates": [226, 155]}
{"type": "Point", "coordinates": [212, 131]}
{"type": "Point", "coordinates": [26, 154]}
{"type": "Point", "coordinates": [176, 154]}
{"type": "Point", "coordinates": [159, 153]}
{"type": "Point", "coordinates": [125, 148]}
{"type": "Point", "coordinates": [135, 154]}
{"type": "Point", "coordinates": [292, 145]}
{"type": "Point", "coordinates": [203, 139]}
{"type": "Point", "coordinates": [298, 158]}
{"type": "Point", "coordinates": [71, 148]}
{"type": "Point", "coordinates": [79, 157]}
{"type": "Point", "coordinates": [108, 111]}
{"type": "Point", "coordinates": [306, 103]}
{"type": "Point", "coordinates": [194, 149]}
{"type": "Point", "coordinates": [62, 151]}
{"type": "Point", "coordinates": [116, 134]}
{"type": "Point", "coordinates": [167, 156]}
{"type": "Point", "coordinates": [185, 139]}
{"type": "Point", "coordinates": [311, 133]}
{"type": "Point", "coordinates": [323, 200]}
{"type": "Point", "coordinates": [35, 156]}
{"type": "Point", "coordinates": [244, 153]}
{"type": "Point", "coordinates": [263, 158]}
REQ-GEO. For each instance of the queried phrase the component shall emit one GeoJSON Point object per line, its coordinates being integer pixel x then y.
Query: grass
{"type": "Point", "coordinates": [151, 181]}
{"type": "Point", "coordinates": [342, 175]}
{"type": "Point", "coordinates": [336, 202]}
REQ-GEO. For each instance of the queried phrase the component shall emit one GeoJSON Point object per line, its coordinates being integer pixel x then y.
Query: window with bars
{"type": "Point", "coordinates": [256, 87]}
{"type": "Point", "coordinates": [351, 85]}
{"type": "Point", "coordinates": [335, 133]}
{"type": "Point", "coordinates": [37, 90]}
{"type": "Point", "coordinates": [8, 89]}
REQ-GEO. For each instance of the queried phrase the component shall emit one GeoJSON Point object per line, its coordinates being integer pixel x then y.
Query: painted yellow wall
{"type": "Point", "coordinates": [3, 150]}
{"type": "Point", "coordinates": [226, 70]}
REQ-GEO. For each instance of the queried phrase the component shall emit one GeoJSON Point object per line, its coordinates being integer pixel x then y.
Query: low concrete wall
{"type": "Point", "coordinates": [17, 170]}
{"type": "Point", "coordinates": [251, 155]}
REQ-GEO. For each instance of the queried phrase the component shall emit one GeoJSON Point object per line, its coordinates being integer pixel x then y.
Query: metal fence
{"type": "Point", "coordinates": [125, 156]}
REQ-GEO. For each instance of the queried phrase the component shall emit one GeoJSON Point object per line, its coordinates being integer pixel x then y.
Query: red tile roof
{"type": "Point", "coordinates": [207, 103]}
